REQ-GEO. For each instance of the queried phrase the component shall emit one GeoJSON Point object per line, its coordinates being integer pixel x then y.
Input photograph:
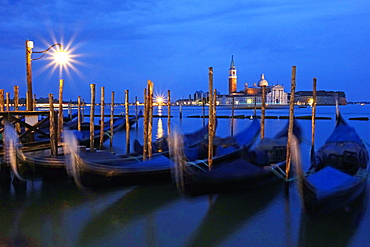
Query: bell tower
{"type": "Point", "coordinates": [232, 76]}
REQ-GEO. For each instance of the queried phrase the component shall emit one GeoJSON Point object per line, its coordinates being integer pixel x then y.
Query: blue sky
{"type": "Point", "coordinates": [120, 45]}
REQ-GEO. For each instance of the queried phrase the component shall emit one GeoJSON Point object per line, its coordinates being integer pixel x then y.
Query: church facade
{"type": "Point", "coordinates": [251, 95]}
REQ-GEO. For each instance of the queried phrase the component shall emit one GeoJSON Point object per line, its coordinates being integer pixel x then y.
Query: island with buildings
{"type": "Point", "coordinates": [251, 95]}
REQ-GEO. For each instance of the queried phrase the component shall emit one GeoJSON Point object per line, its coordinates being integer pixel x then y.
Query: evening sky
{"type": "Point", "coordinates": [120, 45]}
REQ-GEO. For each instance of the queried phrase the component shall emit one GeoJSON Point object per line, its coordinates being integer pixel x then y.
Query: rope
{"type": "Point", "coordinates": [198, 166]}
{"type": "Point", "coordinates": [276, 170]}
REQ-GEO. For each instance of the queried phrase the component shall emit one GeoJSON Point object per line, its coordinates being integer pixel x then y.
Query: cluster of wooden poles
{"type": "Point", "coordinates": [148, 120]}
{"type": "Point", "coordinates": [55, 133]}
{"type": "Point", "coordinates": [56, 122]}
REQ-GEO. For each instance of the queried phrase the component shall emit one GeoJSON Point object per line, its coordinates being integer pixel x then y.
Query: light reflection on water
{"type": "Point", "coordinates": [57, 214]}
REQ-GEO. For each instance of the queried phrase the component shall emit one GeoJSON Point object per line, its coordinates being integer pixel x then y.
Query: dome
{"type": "Point", "coordinates": [262, 82]}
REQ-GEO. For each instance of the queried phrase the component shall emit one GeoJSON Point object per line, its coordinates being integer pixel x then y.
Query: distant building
{"type": "Point", "coordinates": [322, 97]}
{"type": "Point", "coordinates": [250, 96]}
{"type": "Point", "coordinates": [232, 77]}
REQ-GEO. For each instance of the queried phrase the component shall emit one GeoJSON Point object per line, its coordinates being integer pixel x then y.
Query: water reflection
{"type": "Point", "coordinates": [160, 131]}
{"type": "Point", "coordinates": [335, 229]}
{"type": "Point", "coordinates": [141, 202]}
{"type": "Point", "coordinates": [229, 212]}
{"type": "Point", "coordinates": [47, 213]}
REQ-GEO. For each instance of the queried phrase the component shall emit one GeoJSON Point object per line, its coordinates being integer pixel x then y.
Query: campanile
{"type": "Point", "coordinates": [232, 76]}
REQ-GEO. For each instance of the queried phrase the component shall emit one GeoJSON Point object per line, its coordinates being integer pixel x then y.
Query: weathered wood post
{"type": "Point", "coordinates": [232, 116]}
{"type": "Point", "coordinates": [136, 112]}
{"type": "Point", "coordinates": [102, 104]}
{"type": "Point", "coordinates": [92, 112]}
{"type": "Point", "coordinates": [7, 101]}
{"type": "Point", "coordinates": [60, 116]}
{"type": "Point", "coordinates": [146, 113]}
{"type": "Point", "coordinates": [313, 113]}
{"type": "Point", "coordinates": [83, 111]}
{"type": "Point", "coordinates": [34, 102]}
{"type": "Point", "coordinates": [169, 113]}
{"type": "Point", "coordinates": [16, 107]}
{"type": "Point", "coordinates": [79, 113]}
{"type": "Point", "coordinates": [214, 112]}
{"type": "Point", "coordinates": [29, 103]}
{"type": "Point", "coordinates": [210, 116]}
{"type": "Point", "coordinates": [27, 96]}
{"type": "Point", "coordinates": [313, 122]}
{"type": "Point", "coordinates": [53, 135]}
{"type": "Point", "coordinates": [16, 98]}
{"type": "Point", "coordinates": [150, 122]}
{"type": "Point", "coordinates": [263, 108]}
{"type": "Point", "coordinates": [1, 100]}
{"type": "Point", "coordinates": [111, 120]}
{"type": "Point", "coordinates": [127, 123]}
{"type": "Point", "coordinates": [290, 130]}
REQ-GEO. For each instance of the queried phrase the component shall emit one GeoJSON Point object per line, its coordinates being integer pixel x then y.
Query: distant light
{"type": "Point", "coordinates": [61, 57]}
{"type": "Point", "coordinates": [159, 100]}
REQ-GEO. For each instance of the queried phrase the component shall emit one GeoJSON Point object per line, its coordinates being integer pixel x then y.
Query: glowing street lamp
{"type": "Point", "coordinates": [60, 57]}
{"type": "Point", "coordinates": [159, 100]}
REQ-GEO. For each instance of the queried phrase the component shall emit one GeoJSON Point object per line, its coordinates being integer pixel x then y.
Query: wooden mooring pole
{"type": "Point", "coordinates": [146, 113]}
{"type": "Point", "coordinates": [1, 100]}
{"type": "Point", "coordinates": [313, 113]}
{"type": "Point", "coordinates": [111, 120]}
{"type": "Point", "coordinates": [214, 112]}
{"type": "Point", "coordinates": [232, 116]}
{"type": "Point", "coordinates": [16, 107]}
{"type": "Point", "coordinates": [210, 118]}
{"type": "Point", "coordinates": [53, 130]}
{"type": "Point", "coordinates": [79, 113]}
{"type": "Point", "coordinates": [83, 111]}
{"type": "Point", "coordinates": [263, 110]}
{"type": "Point", "coordinates": [102, 104]}
{"type": "Point", "coordinates": [60, 116]}
{"type": "Point", "coordinates": [7, 101]}
{"type": "Point", "coordinates": [313, 123]}
{"type": "Point", "coordinates": [34, 102]}
{"type": "Point", "coordinates": [150, 122]}
{"type": "Point", "coordinates": [16, 98]}
{"type": "Point", "coordinates": [127, 123]}
{"type": "Point", "coordinates": [92, 112]}
{"type": "Point", "coordinates": [203, 110]}
{"type": "Point", "coordinates": [136, 113]}
{"type": "Point", "coordinates": [169, 113]}
{"type": "Point", "coordinates": [290, 129]}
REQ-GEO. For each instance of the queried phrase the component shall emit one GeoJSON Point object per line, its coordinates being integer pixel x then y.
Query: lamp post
{"type": "Point", "coordinates": [61, 58]}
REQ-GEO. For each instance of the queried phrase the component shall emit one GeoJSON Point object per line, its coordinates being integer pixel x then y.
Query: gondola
{"type": "Point", "coordinates": [38, 162]}
{"type": "Point", "coordinates": [107, 169]}
{"type": "Point", "coordinates": [241, 169]}
{"type": "Point", "coordinates": [338, 172]}
{"type": "Point", "coordinates": [101, 169]}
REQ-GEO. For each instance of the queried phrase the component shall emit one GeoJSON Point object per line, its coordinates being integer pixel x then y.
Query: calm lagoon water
{"type": "Point", "coordinates": [58, 214]}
